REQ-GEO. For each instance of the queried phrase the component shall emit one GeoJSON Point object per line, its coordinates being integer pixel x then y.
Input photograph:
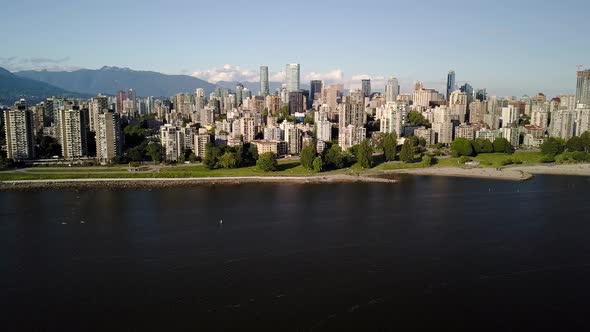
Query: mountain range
{"type": "Point", "coordinates": [13, 87]}
{"type": "Point", "coordinates": [109, 80]}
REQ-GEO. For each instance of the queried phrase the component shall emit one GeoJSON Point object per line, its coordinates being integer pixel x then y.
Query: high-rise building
{"type": "Point", "coordinates": [391, 90]}
{"type": "Point", "coordinates": [394, 117]}
{"type": "Point", "coordinates": [121, 96]}
{"type": "Point", "coordinates": [324, 130]}
{"type": "Point", "coordinates": [296, 102]}
{"type": "Point", "coordinates": [350, 136]}
{"type": "Point", "coordinates": [458, 105]}
{"type": "Point", "coordinates": [583, 87]}
{"type": "Point", "coordinates": [132, 96]}
{"type": "Point", "coordinates": [315, 88]}
{"type": "Point", "coordinates": [97, 105]}
{"type": "Point", "coordinates": [264, 88]}
{"type": "Point", "coordinates": [20, 142]}
{"type": "Point", "coordinates": [450, 83]}
{"type": "Point", "coordinates": [510, 116]}
{"type": "Point", "coordinates": [109, 139]}
{"type": "Point", "coordinates": [73, 126]}
{"type": "Point", "coordinates": [292, 73]}
{"type": "Point", "coordinates": [366, 87]}
{"type": "Point", "coordinates": [172, 143]}
{"type": "Point", "coordinates": [562, 124]}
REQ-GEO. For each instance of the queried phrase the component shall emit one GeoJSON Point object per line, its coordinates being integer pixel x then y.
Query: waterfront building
{"type": "Point", "coordinates": [20, 144]}
{"type": "Point", "coordinates": [109, 138]}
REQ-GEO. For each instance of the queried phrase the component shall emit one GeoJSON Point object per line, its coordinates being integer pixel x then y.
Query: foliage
{"type": "Point", "coordinates": [192, 157]}
{"type": "Point", "coordinates": [461, 147]}
{"type": "Point", "coordinates": [407, 153]}
{"type": "Point", "coordinates": [47, 147]}
{"type": "Point", "coordinates": [334, 159]}
{"type": "Point", "coordinates": [134, 136]}
{"type": "Point", "coordinates": [228, 160]}
{"type": "Point", "coordinates": [364, 154]}
{"type": "Point", "coordinates": [155, 150]}
{"type": "Point", "coordinates": [318, 164]}
{"type": "Point", "coordinates": [481, 145]}
{"type": "Point", "coordinates": [267, 162]}
{"type": "Point", "coordinates": [308, 118]}
{"type": "Point", "coordinates": [181, 158]}
{"type": "Point", "coordinates": [427, 161]}
{"type": "Point", "coordinates": [553, 146]}
{"type": "Point", "coordinates": [308, 154]}
{"type": "Point", "coordinates": [463, 159]}
{"type": "Point", "coordinates": [389, 145]}
{"type": "Point", "coordinates": [575, 143]}
{"type": "Point", "coordinates": [416, 119]}
{"type": "Point", "coordinates": [548, 158]}
{"type": "Point", "coordinates": [501, 144]}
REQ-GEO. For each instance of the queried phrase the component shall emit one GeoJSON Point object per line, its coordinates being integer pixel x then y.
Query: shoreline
{"type": "Point", "coordinates": [511, 173]}
{"type": "Point", "coordinates": [158, 183]}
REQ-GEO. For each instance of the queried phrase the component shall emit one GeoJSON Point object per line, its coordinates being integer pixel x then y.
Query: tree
{"type": "Point", "coordinates": [47, 146]}
{"type": "Point", "coordinates": [553, 146]}
{"type": "Point", "coordinates": [334, 158]}
{"type": "Point", "coordinates": [134, 136]}
{"type": "Point", "coordinates": [192, 157]}
{"type": "Point", "coordinates": [407, 153]}
{"type": "Point", "coordinates": [212, 154]}
{"type": "Point", "coordinates": [502, 145]}
{"type": "Point", "coordinates": [389, 146]}
{"type": "Point", "coordinates": [137, 153]}
{"type": "Point", "coordinates": [586, 140]}
{"type": "Point", "coordinates": [364, 154]}
{"type": "Point", "coordinates": [308, 118]}
{"type": "Point", "coordinates": [267, 162]}
{"type": "Point", "coordinates": [155, 150]}
{"type": "Point", "coordinates": [416, 119]}
{"type": "Point", "coordinates": [575, 143]}
{"type": "Point", "coordinates": [228, 160]}
{"type": "Point", "coordinates": [481, 145]}
{"type": "Point", "coordinates": [461, 147]}
{"type": "Point", "coordinates": [318, 164]}
{"type": "Point", "coordinates": [181, 158]}
{"type": "Point", "coordinates": [307, 155]}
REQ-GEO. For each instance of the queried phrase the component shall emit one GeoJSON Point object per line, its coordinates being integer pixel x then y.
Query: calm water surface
{"type": "Point", "coordinates": [423, 253]}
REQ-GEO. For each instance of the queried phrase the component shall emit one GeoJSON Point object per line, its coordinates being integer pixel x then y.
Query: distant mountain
{"type": "Point", "coordinates": [13, 87]}
{"type": "Point", "coordinates": [109, 80]}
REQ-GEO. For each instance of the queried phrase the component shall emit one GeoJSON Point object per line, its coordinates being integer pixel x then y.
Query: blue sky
{"type": "Point", "coordinates": [509, 47]}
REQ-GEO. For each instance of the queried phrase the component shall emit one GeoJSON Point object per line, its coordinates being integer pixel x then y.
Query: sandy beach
{"type": "Point", "coordinates": [569, 169]}
{"type": "Point", "coordinates": [491, 173]}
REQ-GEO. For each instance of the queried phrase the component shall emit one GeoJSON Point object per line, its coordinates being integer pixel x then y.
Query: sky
{"type": "Point", "coordinates": [509, 47]}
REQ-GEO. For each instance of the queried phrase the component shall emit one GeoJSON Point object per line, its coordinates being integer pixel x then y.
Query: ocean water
{"type": "Point", "coordinates": [424, 253]}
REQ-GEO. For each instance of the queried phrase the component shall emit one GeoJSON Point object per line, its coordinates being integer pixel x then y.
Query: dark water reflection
{"type": "Point", "coordinates": [423, 253]}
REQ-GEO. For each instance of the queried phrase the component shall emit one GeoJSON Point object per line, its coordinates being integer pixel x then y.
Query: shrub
{"type": "Point", "coordinates": [548, 159]}
{"type": "Point", "coordinates": [463, 160]}
{"type": "Point", "coordinates": [506, 161]}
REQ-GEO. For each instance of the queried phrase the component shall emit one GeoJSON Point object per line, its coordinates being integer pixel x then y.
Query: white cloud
{"type": "Point", "coordinates": [227, 73]}
{"type": "Point", "coordinates": [235, 73]}
{"type": "Point", "coordinates": [36, 63]}
{"type": "Point", "coordinates": [333, 76]}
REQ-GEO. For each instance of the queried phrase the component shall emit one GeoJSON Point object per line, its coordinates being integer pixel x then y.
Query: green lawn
{"type": "Point", "coordinates": [286, 168]}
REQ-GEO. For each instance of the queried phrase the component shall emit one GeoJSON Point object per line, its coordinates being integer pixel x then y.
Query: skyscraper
{"type": "Point", "coordinates": [391, 90]}
{"type": "Point", "coordinates": [121, 96]}
{"type": "Point", "coordinates": [315, 87]}
{"type": "Point", "coordinates": [366, 87]}
{"type": "Point", "coordinates": [583, 87]}
{"type": "Point", "coordinates": [72, 126]}
{"type": "Point", "coordinates": [264, 89]}
{"type": "Point", "coordinates": [450, 83]}
{"type": "Point", "coordinates": [292, 73]}
{"type": "Point", "coordinates": [108, 137]}
{"type": "Point", "coordinates": [20, 142]}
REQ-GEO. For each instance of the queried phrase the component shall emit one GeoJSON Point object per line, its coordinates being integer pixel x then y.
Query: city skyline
{"type": "Point", "coordinates": [499, 46]}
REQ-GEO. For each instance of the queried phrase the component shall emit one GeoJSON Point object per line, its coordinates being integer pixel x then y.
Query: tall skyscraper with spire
{"type": "Point", "coordinates": [292, 73]}
{"type": "Point", "coordinates": [450, 83]}
{"type": "Point", "coordinates": [264, 89]}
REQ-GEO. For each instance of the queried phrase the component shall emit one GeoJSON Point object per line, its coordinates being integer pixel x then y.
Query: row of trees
{"type": "Point", "coordinates": [576, 149]}
{"type": "Point", "coordinates": [230, 157]}
{"type": "Point", "coordinates": [464, 147]}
